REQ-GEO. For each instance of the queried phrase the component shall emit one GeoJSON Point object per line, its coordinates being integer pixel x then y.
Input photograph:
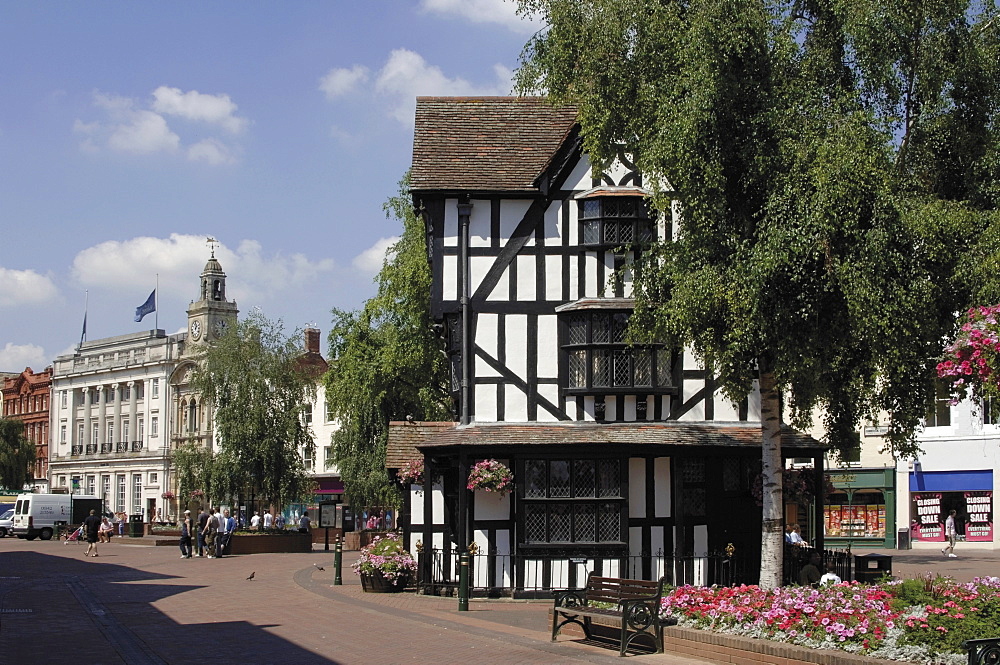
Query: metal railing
{"type": "Point", "coordinates": [797, 557]}
{"type": "Point", "coordinates": [525, 575]}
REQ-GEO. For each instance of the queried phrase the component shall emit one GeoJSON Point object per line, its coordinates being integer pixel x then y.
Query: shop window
{"type": "Point", "coordinates": [859, 514]}
{"type": "Point", "coordinates": [990, 415]}
{"type": "Point", "coordinates": [578, 501]}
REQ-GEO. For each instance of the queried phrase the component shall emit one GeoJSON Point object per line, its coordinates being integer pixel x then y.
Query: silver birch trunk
{"type": "Point", "coordinates": [772, 536]}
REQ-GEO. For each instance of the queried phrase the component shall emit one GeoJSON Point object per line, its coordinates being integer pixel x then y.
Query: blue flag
{"type": "Point", "coordinates": [147, 307]}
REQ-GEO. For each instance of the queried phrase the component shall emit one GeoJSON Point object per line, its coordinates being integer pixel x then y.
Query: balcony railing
{"type": "Point", "coordinates": [76, 450]}
{"type": "Point", "coordinates": [107, 447]}
{"type": "Point", "coordinates": [136, 446]}
{"type": "Point", "coordinates": [121, 447]}
{"type": "Point", "coordinates": [91, 448]}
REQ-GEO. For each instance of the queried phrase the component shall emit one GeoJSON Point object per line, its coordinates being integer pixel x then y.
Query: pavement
{"type": "Point", "coordinates": [141, 605]}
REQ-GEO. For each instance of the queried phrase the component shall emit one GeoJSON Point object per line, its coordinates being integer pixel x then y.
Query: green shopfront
{"type": "Point", "coordinates": [861, 510]}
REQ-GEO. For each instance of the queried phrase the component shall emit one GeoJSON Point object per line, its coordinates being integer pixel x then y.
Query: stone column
{"type": "Point", "coordinates": [117, 418]}
{"type": "Point", "coordinates": [88, 417]}
{"type": "Point", "coordinates": [133, 396]}
{"type": "Point", "coordinates": [102, 414]}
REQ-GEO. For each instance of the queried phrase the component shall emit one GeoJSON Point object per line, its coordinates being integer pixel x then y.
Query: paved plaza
{"type": "Point", "coordinates": [142, 605]}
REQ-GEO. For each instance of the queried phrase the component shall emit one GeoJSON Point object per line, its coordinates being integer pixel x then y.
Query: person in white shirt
{"type": "Point", "coordinates": [255, 521]}
{"type": "Point", "coordinates": [227, 525]}
{"type": "Point", "coordinates": [829, 577]}
{"type": "Point", "coordinates": [304, 522]}
{"type": "Point", "coordinates": [949, 533]}
{"type": "Point", "coordinates": [268, 520]}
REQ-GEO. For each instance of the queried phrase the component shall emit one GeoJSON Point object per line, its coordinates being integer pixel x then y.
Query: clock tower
{"type": "Point", "coordinates": [212, 314]}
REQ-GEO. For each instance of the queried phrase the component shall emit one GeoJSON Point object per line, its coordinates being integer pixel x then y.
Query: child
{"type": "Point", "coordinates": [830, 577]}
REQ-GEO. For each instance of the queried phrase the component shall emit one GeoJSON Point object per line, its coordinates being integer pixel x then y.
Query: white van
{"type": "Point", "coordinates": [37, 515]}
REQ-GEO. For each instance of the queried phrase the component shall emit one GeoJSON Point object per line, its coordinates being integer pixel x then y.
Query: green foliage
{"type": "Point", "coordinates": [257, 388]}
{"type": "Point", "coordinates": [194, 465]}
{"type": "Point", "coordinates": [836, 165]}
{"type": "Point", "coordinates": [17, 455]}
{"type": "Point", "coordinates": [386, 363]}
{"type": "Point", "coordinates": [913, 591]}
{"type": "Point", "coordinates": [954, 613]}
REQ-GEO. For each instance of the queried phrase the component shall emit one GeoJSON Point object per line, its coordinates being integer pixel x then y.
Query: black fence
{"type": "Point", "coordinates": [523, 575]}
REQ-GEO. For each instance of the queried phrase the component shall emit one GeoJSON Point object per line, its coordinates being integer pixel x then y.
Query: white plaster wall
{"type": "Point", "coordinates": [486, 403]}
{"type": "Point", "coordinates": [573, 269]}
{"type": "Point", "coordinates": [609, 274]}
{"type": "Point", "coordinates": [560, 574]}
{"type": "Point", "coordinates": [416, 506]}
{"type": "Point", "coordinates": [553, 277]}
{"type": "Point", "coordinates": [479, 224]}
{"type": "Point", "coordinates": [551, 393]}
{"type": "Point", "coordinates": [486, 338]}
{"type": "Point", "coordinates": [725, 411]}
{"type": "Point", "coordinates": [635, 540]}
{"type": "Point", "coordinates": [491, 506]}
{"type": "Point", "coordinates": [611, 407]}
{"type": "Point", "coordinates": [526, 278]}
{"type": "Point", "coordinates": [636, 488]}
{"type": "Point", "coordinates": [552, 229]}
{"type": "Point", "coordinates": [449, 277]}
{"type": "Point", "coordinates": [478, 267]}
{"type": "Point", "coordinates": [437, 503]}
{"type": "Point", "coordinates": [588, 408]}
{"type": "Point", "coordinates": [511, 213]}
{"type": "Point", "coordinates": [516, 330]}
{"type": "Point", "coordinates": [548, 350]}
{"type": "Point", "coordinates": [697, 411]}
{"type": "Point", "coordinates": [590, 281]}
{"type": "Point", "coordinates": [515, 404]}
{"type": "Point", "coordinates": [450, 223]}
{"type": "Point", "coordinates": [579, 178]}
{"type": "Point", "coordinates": [628, 406]}
{"type": "Point", "coordinates": [662, 491]}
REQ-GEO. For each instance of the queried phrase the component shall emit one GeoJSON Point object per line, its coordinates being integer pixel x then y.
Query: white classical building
{"type": "Point", "coordinates": [109, 420]}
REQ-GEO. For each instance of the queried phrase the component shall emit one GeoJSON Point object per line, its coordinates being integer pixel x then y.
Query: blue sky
{"type": "Point", "coordinates": [129, 132]}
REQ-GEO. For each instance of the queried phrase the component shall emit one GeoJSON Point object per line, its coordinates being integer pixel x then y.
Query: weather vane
{"type": "Point", "coordinates": [212, 243]}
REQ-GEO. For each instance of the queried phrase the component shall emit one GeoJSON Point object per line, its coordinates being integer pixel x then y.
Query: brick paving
{"type": "Point", "coordinates": [142, 605]}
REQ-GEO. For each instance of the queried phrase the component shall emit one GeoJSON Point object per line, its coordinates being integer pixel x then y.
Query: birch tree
{"type": "Point", "coordinates": [834, 163]}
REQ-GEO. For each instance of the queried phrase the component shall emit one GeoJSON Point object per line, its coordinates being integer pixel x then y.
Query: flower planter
{"type": "Point", "coordinates": [376, 583]}
{"type": "Point", "coordinates": [260, 544]}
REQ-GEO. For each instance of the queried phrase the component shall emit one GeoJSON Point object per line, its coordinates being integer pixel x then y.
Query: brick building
{"type": "Point", "coordinates": [26, 398]}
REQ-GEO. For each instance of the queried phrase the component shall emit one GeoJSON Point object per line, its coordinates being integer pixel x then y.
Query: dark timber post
{"type": "Point", "coordinates": [819, 498]}
{"type": "Point", "coordinates": [464, 211]}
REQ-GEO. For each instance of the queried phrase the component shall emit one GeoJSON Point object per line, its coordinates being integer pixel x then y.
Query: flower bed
{"type": "Point", "coordinates": [923, 620]}
{"type": "Point", "coordinates": [386, 557]}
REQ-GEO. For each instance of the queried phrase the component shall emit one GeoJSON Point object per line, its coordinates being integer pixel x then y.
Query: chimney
{"type": "Point", "coordinates": [312, 340]}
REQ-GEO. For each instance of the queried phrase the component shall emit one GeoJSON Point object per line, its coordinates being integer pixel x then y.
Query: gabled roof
{"type": "Point", "coordinates": [486, 143]}
{"type": "Point", "coordinates": [406, 438]}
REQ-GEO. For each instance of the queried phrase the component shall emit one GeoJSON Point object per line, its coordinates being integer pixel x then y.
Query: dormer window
{"type": "Point", "coordinates": [613, 218]}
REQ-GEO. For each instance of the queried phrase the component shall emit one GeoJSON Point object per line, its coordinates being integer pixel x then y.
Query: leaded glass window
{"type": "Point", "coordinates": [615, 220]}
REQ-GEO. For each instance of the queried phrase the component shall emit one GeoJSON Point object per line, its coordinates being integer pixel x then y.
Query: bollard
{"type": "Point", "coordinates": [338, 560]}
{"type": "Point", "coordinates": [463, 582]}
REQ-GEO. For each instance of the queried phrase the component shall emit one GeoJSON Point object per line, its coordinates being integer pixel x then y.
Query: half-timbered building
{"type": "Point", "coordinates": [626, 459]}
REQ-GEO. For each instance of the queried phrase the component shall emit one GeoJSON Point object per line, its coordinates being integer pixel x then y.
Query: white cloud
{"type": "Point", "coordinates": [338, 82]}
{"type": "Point", "coordinates": [180, 258]}
{"type": "Point", "coordinates": [502, 12]}
{"type": "Point", "coordinates": [16, 357]}
{"type": "Point", "coordinates": [370, 260]}
{"type": "Point", "coordinates": [211, 151]}
{"type": "Point", "coordinates": [25, 287]}
{"type": "Point", "coordinates": [129, 126]}
{"type": "Point", "coordinates": [193, 105]}
{"type": "Point", "coordinates": [407, 75]}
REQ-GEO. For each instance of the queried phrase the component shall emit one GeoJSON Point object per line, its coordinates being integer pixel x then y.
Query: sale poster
{"type": "Point", "coordinates": [927, 508]}
{"type": "Point", "coordinates": [979, 512]}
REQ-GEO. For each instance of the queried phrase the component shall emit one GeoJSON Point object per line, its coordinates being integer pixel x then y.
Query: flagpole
{"type": "Point", "coordinates": [156, 304]}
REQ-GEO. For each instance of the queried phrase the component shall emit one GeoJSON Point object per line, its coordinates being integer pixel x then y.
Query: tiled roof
{"type": "Point", "coordinates": [486, 143]}
{"type": "Point", "coordinates": [673, 433]}
{"type": "Point", "coordinates": [404, 437]}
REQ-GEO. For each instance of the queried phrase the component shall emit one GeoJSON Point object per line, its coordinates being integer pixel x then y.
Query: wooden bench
{"type": "Point", "coordinates": [636, 608]}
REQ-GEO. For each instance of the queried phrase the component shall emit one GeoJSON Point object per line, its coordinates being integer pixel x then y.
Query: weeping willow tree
{"type": "Point", "coordinates": [17, 456]}
{"type": "Point", "coordinates": [257, 389]}
{"type": "Point", "coordinates": [386, 363]}
{"type": "Point", "coordinates": [833, 164]}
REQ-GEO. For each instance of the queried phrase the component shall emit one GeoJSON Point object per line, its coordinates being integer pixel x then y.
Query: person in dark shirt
{"type": "Point", "coordinates": [810, 574]}
{"type": "Point", "coordinates": [186, 535]}
{"type": "Point", "coordinates": [91, 526]}
{"type": "Point", "coordinates": [202, 523]}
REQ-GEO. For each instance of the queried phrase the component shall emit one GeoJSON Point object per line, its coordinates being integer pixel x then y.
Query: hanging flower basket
{"type": "Point", "coordinates": [412, 473]}
{"type": "Point", "coordinates": [973, 360]}
{"type": "Point", "coordinates": [168, 495]}
{"type": "Point", "coordinates": [491, 476]}
{"type": "Point", "coordinates": [196, 494]}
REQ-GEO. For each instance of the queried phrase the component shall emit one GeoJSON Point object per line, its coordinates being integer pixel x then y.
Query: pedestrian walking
{"type": "Point", "coordinates": [255, 521]}
{"type": "Point", "coordinates": [949, 534]}
{"type": "Point", "coordinates": [227, 525]}
{"type": "Point", "coordinates": [91, 526]}
{"type": "Point", "coordinates": [304, 522]}
{"type": "Point", "coordinates": [268, 520]}
{"type": "Point", "coordinates": [186, 535]}
{"type": "Point", "coordinates": [211, 528]}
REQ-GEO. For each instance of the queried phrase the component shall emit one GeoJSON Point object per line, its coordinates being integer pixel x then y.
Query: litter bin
{"type": "Point", "coordinates": [869, 568]}
{"type": "Point", "coordinates": [903, 539]}
{"type": "Point", "coordinates": [135, 526]}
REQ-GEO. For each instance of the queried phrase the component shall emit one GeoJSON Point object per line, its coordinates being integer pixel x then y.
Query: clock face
{"type": "Point", "coordinates": [196, 329]}
{"type": "Point", "coordinates": [220, 327]}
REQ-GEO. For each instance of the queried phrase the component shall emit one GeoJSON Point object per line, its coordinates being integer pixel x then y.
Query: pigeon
{"type": "Point", "coordinates": [252, 574]}
{"type": "Point", "coordinates": [318, 567]}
